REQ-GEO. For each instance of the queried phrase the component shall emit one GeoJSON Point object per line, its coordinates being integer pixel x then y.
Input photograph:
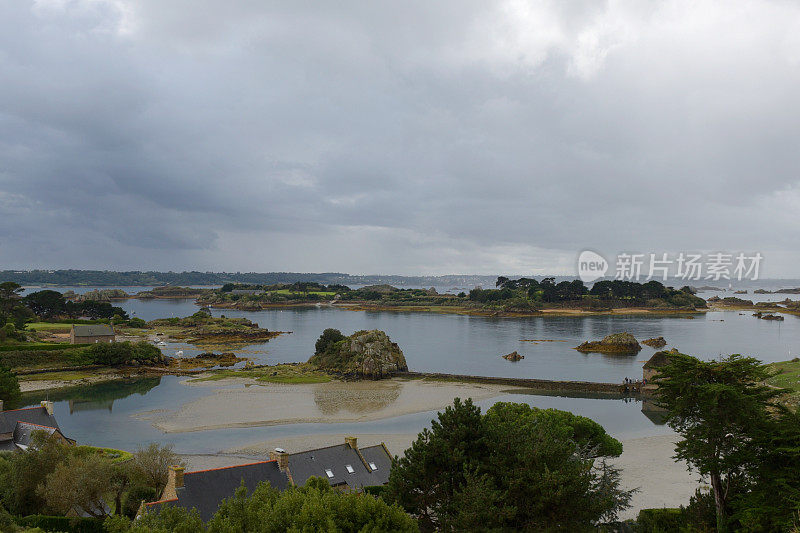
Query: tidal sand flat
{"type": "Point", "coordinates": [243, 403]}
{"type": "Point", "coordinates": [647, 464]}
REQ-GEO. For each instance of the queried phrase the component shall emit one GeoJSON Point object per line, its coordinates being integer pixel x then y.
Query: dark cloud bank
{"type": "Point", "coordinates": [408, 137]}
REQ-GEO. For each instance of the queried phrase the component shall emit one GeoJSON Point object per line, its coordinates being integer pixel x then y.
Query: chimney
{"type": "Point", "coordinates": [48, 406]}
{"type": "Point", "coordinates": [174, 481]}
{"type": "Point", "coordinates": [280, 455]}
{"type": "Point", "coordinates": [176, 471]}
{"type": "Point", "coordinates": [352, 442]}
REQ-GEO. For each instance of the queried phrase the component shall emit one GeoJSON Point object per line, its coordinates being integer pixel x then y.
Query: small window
{"type": "Point", "coordinates": [350, 469]}
{"type": "Point", "coordinates": [329, 472]}
{"type": "Point", "coordinates": [373, 466]}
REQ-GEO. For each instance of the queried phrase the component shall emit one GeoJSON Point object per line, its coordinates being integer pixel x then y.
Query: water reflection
{"type": "Point", "coordinates": [96, 396]}
{"type": "Point", "coordinates": [358, 398]}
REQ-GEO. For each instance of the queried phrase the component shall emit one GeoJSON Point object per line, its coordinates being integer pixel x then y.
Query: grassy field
{"type": "Point", "coordinates": [310, 293]}
{"type": "Point", "coordinates": [60, 376]}
{"type": "Point", "coordinates": [788, 374]}
{"type": "Point", "coordinates": [788, 377]}
{"type": "Point", "coordinates": [49, 326]}
{"type": "Point", "coordinates": [290, 374]}
{"type": "Point", "coordinates": [39, 346]}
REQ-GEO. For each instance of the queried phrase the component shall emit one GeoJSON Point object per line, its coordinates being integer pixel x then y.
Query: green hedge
{"type": "Point", "coordinates": [62, 523]}
{"type": "Point", "coordinates": [38, 346]}
{"type": "Point", "coordinates": [69, 355]}
{"type": "Point", "coordinates": [376, 490]}
{"type": "Point", "coordinates": [661, 520]}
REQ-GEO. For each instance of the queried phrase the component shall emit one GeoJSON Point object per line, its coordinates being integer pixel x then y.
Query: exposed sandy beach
{"type": "Point", "coordinates": [277, 404]}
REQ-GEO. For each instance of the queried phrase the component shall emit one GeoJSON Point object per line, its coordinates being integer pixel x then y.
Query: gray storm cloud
{"type": "Point", "coordinates": [412, 137]}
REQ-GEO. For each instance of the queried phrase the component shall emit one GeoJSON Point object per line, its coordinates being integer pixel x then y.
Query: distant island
{"type": "Point", "coordinates": [135, 278]}
{"type": "Point", "coordinates": [509, 297]}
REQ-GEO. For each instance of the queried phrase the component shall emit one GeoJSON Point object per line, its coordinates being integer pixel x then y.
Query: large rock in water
{"type": "Point", "coordinates": [617, 343]}
{"type": "Point", "coordinates": [364, 354]}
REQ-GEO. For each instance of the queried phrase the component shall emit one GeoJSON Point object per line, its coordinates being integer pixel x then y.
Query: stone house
{"type": "Point", "coordinates": [651, 369]}
{"type": "Point", "coordinates": [91, 333]}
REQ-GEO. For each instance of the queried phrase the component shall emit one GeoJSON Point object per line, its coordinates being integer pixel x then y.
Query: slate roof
{"type": "Point", "coordinates": [658, 360]}
{"type": "Point", "coordinates": [336, 458]}
{"type": "Point", "coordinates": [204, 490]}
{"type": "Point", "coordinates": [33, 415]}
{"type": "Point", "coordinates": [17, 425]}
{"type": "Point", "coordinates": [23, 431]}
{"type": "Point", "coordinates": [92, 330]}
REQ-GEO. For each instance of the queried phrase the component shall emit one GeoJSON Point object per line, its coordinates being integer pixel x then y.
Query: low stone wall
{"type": "Point", "coordinates": [620, 390]}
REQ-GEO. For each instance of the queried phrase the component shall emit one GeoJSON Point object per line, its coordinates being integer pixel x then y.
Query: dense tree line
{"type": "Point", "coordinates": [47, 305]}
{"type": "Point", "coordinates": [548, 291]}
{"type": "Point", "coordinates": [108, 278]}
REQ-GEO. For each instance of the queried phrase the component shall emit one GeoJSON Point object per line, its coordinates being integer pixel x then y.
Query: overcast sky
{"type": "Point", "coordinates": [396, 137]}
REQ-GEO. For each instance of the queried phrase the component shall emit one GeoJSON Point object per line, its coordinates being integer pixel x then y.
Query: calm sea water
{"type": "Point", "coordinates": [101, 414]}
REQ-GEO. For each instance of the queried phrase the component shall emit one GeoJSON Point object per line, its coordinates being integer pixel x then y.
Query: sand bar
{"type": "Point", "coordinates": [248, 404]}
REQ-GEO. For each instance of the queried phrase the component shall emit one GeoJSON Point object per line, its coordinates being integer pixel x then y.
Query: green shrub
{"type": "Point", "coordinates": [120, 353]}
{"type": "Point", "coordinates": [134, 499]}
{"type": "Point", "coordinates": [137, 322]}
{"type": "Point", "coordinates": [376, 490]}
{"type": "Point", "coordinates": [63, 524]}
{"type": "Point", "coordinates": [661, 520]}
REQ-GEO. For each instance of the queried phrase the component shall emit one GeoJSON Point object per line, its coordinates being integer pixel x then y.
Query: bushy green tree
{"type": "Point", "coordinates": [723, 410]}
{"type": "Point", "coordinates": [515, 468]}
{"type": "Point", "coordinates": [80, 484]}
{"type": "Point", "coordinates": [45, 304]}
{"type": "Point", "coordinates": [328, 338]}
{"type": "Point", "coordinates": [27, 470]}
{"type": "Point", "coordinates": [9, 385]}
{"type": "Point", "coordinates": [150, 465]}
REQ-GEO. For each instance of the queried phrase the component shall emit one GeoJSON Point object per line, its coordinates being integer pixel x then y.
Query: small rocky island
{"type": "Point", "coordinates": [201, 329]}
{"type": "Point", "coordinates": [616, 343]}
{"type": "Point", "coordinates": [362, 355]}
{"type": "Point", "coordinates": [513, 356]}
{"type": "Point", "coordinates": [655, 342]}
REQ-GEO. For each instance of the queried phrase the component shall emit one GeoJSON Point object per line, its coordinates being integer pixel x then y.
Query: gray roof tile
{"type": "Point", "coordinates": [204, 490]}
{"type": "Point", "coordinates": [93, 330]}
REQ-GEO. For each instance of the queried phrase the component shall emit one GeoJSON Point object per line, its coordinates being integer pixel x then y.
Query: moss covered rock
{"type": "Point", "coordinates": [616, 343]}
{"type": "Point", "coordinates": [364, 354]}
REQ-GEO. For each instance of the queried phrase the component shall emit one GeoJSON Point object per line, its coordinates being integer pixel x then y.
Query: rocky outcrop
{"type": "Point", "coordinates": [364, 354]}
{"type": "Point", "coordinates": [655, 342]}
{"type": "Point", "coordinates": [768, 316]}
{"type": "Point", "coordinates": [513, 356]}
{"type": "Point", "coordinates": [617, 343]}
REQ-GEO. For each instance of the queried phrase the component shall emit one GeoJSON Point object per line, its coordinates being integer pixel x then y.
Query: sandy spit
{"type": "Point", "coordinates": [278, 404]}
